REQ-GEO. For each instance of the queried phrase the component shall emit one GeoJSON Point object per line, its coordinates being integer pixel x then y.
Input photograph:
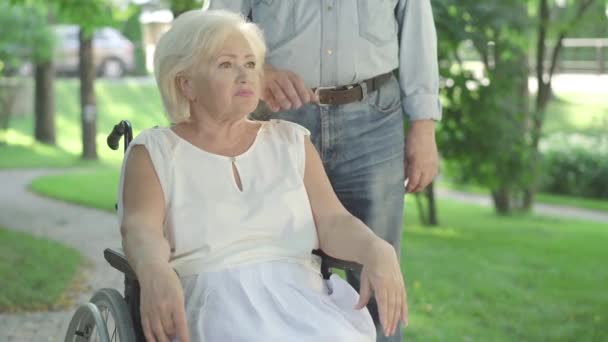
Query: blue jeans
{"type": "Point", "coordinates": [361, 146]}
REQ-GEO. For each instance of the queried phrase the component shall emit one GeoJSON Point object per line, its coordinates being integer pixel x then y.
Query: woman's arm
{"type": "Point", "coordinates": [144, 210]}
{"type": "Point", "coordinates": [343, 236]}
{"type": "Point", "coordinates": [162, 301]}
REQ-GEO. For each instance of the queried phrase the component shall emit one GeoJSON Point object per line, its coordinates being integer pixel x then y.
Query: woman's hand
{"type": "Point", "coordinates": [381, 273]}
{"type": "Point", "coordinates": [163, 314]}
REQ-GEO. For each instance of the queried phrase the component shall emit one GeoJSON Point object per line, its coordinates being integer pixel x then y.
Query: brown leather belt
{"type": "Point", "coordinates": [351, 93]}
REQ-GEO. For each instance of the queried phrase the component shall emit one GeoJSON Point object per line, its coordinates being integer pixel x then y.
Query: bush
{"type": "Point", "coordinates": [576, 166]}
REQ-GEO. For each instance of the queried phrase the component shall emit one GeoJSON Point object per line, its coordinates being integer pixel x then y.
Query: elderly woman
{"type": "Point", "coordinates": [219, 214]}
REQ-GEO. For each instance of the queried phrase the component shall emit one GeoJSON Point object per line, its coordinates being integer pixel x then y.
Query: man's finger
{"type": "Point", "coordinates": [271, 102]}
{"type": "Point", "coordinates": [414, 179]}
{"type": "Point", "coordinates": [301, 89]}
{"type": "Point", "coordinates": [279, 95]}
{"type": "Point", "coordinates": [289, 90]}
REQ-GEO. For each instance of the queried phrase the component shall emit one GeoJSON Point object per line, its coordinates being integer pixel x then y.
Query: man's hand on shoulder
{"type": "Point", "coordinates": [284, 90]}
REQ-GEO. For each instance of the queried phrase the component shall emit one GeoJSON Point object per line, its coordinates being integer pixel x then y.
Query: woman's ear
{"type": "Point", "coordinates": [185, 87]}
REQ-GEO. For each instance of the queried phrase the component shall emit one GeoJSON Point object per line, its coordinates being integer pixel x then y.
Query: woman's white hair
{"type": "Point", "coordinates": [195, 38]}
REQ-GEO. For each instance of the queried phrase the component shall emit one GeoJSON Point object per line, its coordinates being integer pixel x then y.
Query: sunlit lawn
{"type": "Point", "coordinates": [139, 103]}
{"type": "Point", "coordinates": [35, 273]}
{"type": "Point", "coordinates": [582, 113]}
{"type": "Point", "coordinates": [486, 278]}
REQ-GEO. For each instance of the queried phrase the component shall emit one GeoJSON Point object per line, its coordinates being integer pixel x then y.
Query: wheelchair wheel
{"type": "Point", "coordinates": [105, 319]}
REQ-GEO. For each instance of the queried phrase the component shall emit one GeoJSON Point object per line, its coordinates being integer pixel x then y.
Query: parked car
{"type": "Point", "coordinates": [113, 54]}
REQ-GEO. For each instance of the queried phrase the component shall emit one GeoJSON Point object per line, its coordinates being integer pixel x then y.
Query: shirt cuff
{"type": "Point", "coordinates": [422, 107]}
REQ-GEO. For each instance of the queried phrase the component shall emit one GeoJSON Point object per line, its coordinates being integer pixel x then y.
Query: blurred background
{"type": "Point", "coordinates": [508, 244]}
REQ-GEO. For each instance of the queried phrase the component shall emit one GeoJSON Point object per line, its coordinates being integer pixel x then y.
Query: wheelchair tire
{"type": "Point", "coordinates": [115, 313]}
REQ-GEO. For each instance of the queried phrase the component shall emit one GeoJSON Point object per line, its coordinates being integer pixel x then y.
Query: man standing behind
{"type": "Point", "coordinates": [330, 68]}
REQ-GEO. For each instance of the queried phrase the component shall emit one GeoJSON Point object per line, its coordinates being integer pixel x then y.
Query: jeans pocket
{"type": "Point", "coordinates": [377, 21]}
{"type": "Point", "coordinates": [387, 99]}
{"type": "Point", "coordinates": [277, 20]}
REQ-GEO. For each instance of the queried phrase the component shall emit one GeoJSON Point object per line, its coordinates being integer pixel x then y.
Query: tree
{"type": "Point", "coordinates": [483, 134]}
{"type": "Point", "coordinates": [180, 6]}
{"type": "Point", "coordinates": [554, 23]}
{"type": "Point", "coordinates": [26, 38]}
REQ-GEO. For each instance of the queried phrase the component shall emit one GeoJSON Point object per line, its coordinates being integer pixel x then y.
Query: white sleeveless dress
{"type": "Point", "coordinates": [244, 256]}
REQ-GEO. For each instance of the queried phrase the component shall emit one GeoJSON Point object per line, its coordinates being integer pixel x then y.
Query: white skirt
{"type": "Point", "coordinates": [273, 301]}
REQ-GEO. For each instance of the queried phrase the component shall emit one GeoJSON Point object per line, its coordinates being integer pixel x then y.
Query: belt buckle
{"type": "Point", "coordinates": [316, 92]}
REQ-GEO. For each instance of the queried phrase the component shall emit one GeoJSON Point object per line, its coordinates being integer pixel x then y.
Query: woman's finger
{"type": "Point", "coordinates": [148, 334]}
{"type": "Point", "coordinates": [157, 329]}
{"type": "Point", "coordinates": [382, 302]}
{"type": "Point", "coordinates": [405, 309]}
{"type": "Point", "coordinates": [365, 292]}
{"type": "Point", "coordinates": [181, 325]}
{"type": "Point", "coordinates": [391, 308]}
{"type": "Point", "coordinates": [166, 319]}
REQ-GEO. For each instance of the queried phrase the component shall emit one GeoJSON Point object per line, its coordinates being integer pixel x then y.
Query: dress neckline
{"type": "Point", "coordinates": [221, 156]}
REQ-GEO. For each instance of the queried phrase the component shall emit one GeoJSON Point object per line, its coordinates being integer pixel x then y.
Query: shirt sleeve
{"type": "Point", "coordinates": [418, 69]}
{"type": "Point", "coordinates": [239, 6]}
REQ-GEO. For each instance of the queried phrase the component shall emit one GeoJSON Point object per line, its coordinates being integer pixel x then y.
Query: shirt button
{"type": "Point", "coordinates": [329, 8]}
{"type": "Point", "coordinates": [329, 52]}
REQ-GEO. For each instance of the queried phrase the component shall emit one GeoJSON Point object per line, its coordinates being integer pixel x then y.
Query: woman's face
{"type": "Point", "coordinates": [229, 85]}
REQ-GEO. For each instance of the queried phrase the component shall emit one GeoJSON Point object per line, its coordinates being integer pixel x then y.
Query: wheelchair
{"type": "Point", "coordinates": [110, 316]}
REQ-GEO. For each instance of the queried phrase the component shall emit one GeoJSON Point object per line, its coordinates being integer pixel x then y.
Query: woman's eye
{"type": "Point", "coordinates": [225, 65]}
{"type": "Point", "coordinates": [250, 65]}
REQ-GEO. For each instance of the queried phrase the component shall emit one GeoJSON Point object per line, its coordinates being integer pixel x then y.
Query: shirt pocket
{"type": "Point", "coordinates": [377, 21]}
{"type": "Point", "coordinates": [277, 19]}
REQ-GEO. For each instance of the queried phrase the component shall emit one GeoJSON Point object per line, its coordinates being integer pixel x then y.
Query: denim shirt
{"type": "Point", "coordinates": [341, 42]}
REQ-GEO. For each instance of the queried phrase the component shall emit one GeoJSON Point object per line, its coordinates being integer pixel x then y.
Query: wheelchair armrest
{"type": "Point", "coordinates": [329, 262]}
{"type": "Point", "coordinates": [118, 260]}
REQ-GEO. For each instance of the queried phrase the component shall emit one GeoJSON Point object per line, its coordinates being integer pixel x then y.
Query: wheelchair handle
{"type": "Point", "coordinates": [120, 129]}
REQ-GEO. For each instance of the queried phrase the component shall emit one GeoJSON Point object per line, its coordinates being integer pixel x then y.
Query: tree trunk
{"type": "Point", "coordinates": [88, 108]}
{"type": "Point", "coordinates": [44, 103]}
{"type": "Point", "coordinates": [502, 200]}
{"type": "Point", "coordinates": [432, 206]}
{"type": "Point", "coordinates": [421, 211]}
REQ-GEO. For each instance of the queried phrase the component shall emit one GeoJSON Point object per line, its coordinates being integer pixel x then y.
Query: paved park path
{"type": "Point", "coordinates": [90, 231]}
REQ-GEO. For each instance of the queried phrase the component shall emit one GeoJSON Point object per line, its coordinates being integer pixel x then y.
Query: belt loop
{"type": "Point", "coordinates": [363, 91]}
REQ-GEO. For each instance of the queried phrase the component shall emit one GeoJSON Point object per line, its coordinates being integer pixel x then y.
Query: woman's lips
{"type": "Point", "coordinates": [244, 93]}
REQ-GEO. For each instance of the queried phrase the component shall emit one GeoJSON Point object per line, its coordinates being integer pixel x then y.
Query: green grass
{"type": "Point", "coordinates": [35, 272]}
{"type": "Point", "coordinates": [139, 103]}
{"type": "Point", "coordinates": [578, 202]}
{"type": "Point", "coordinates": [577, 113]}
{"type": "Point", "coordinates": [481, 277]}
{"type": "Point", "coordinates": [92, 188]}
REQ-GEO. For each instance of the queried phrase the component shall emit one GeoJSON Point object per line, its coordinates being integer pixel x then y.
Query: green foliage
{"type": "Point", "coordinates": [180, 6]}
{"type": "Point", "coordinates": [24, 36]}
{"type": "Point", "coordinates": [132, 30]}
{"type": "Point", "coordinates": [578, 169]}
{"type": "Point", "coordinates": [482, 134]}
